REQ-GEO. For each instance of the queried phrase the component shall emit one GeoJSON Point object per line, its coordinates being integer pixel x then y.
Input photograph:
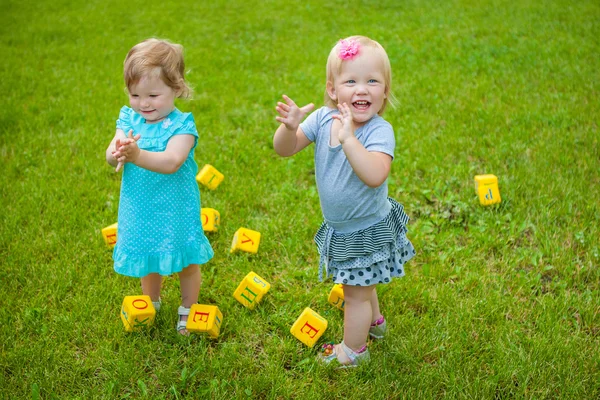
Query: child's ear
{"type": "Point", "coordinates": [331, 91]}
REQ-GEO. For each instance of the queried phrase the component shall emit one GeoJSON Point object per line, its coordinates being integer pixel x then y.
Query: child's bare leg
{"type": "Point", "coordinates": [151, 285]}
{"type": "Point", "coordinates": [358, 314]}
{"type": "Point", "coordinates": [189, 281]}
{"type": "Point", "coordinates": [375, 306]}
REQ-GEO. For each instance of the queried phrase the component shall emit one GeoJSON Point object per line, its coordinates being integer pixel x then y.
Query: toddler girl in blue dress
{"type": "Point", "coordinates": [159, 231]}
{"type": "Point", "coordinates": [362, 241]}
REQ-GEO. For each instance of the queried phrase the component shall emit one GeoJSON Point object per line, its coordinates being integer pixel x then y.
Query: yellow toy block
{"type": "Point", "coordinates": [251, 291]}
{"type": "Point", "coordinates": [110, 235]}
{"type": "Point", "coordinates": [309, 327]}
{"type": "Point", "coordinates": [209, 177]}
{"type": "Point", "coordinates": [486, 187]}
{"type": "Point", "coordinates": [204, 318]}
{"type": "Point", "coordinates": [245, 240]}
{"type": "Point", "coordinates": [137, 312]}
{"type": "Point", "coordinates": [211, 219]}
{"type": "Point", "coordinates": [336, 297]}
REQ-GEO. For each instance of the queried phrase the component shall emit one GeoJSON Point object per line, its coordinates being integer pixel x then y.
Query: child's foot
{"type": "Point", "coordinates": [378, 328]}
{"type": "Point", "coordinates": [181, 324]}
{"type": "Point", "coordinates": [156, 305]}
{"type": "Point", "coordinates": [343, 355]}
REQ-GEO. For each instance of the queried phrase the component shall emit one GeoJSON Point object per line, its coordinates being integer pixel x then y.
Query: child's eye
{"type": "Point", "coordinates": [134, 95]}
{"type": "Point", "coordinates": [153, 95]}
{"type": "Point", "coordinates": [373, 81]}
{"type": "Point", "coordinates": [350, 81]}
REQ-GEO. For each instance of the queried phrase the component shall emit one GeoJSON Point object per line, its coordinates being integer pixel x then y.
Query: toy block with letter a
{"type": "Point", "coordinates": [336, 296]}
{"type": "Point", "coordinates": [486, 187]}
{"type": "Point", "coordinates": [204, 318]}
{"type": "Point", "coordinates": [309, 327]}
{"type": "Point", "coordinates": [251, 290]}
{"type": "Point", "coordinates": [209, 177]}
{"type": "Point", "coordinates": [110, 235]}
{"type": "Point", "coordinates": [211, 219]}
{"type": "Point", "coordinates": [245, 240]}
{"type": "Point", "coordinates": [137, 312]}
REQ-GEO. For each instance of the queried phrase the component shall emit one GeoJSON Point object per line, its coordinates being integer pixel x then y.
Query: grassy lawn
{"type": "Point", "coordinates": [500, 302]}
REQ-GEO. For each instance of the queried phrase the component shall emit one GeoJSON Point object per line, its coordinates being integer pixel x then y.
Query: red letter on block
{"type": "Point", "coordinates": [203, 316]}
{"type": "Point", "coordinates": [310, 329]}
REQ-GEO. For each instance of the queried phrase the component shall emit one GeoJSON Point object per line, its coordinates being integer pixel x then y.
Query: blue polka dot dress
{"type": "Point", "coordinates": [159, 227]}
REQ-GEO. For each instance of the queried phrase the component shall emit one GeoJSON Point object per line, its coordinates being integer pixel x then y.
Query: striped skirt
{"type": "Point", "coordinates": [369, 256]}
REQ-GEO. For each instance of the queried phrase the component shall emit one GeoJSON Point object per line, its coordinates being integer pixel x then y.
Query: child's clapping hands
{"type": "Point", "coordinates": [126, 150]}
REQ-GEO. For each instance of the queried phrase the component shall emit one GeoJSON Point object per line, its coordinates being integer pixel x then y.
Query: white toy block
{"type": "Point", "coordinates": [137, 312]}
{"type": "Point", "coordinates": [336, 296]}
{"type": "Point", "coordinates": [110, 235]}
{"type": "Point", "coordinates": [309, 327]}
{"type": "Point", "coordinates": [209, 177]}
{"type": "Point", "coordinates": [245, 240]}
{"type": "Point", "coordinates": [205, 318]}
{"type": "Point", "coordinates": [211, 219]}
{"type": "Point", "coordinates": [486, 187]}
{"type": "Point", "coordinates": [251, 291]}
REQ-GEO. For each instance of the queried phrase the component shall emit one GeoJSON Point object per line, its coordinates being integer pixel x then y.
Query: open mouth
{"type": "Point", "coordinates": [361, 105]}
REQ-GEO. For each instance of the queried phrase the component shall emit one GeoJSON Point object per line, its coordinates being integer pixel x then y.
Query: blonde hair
{"type": "Point", "coordinates": [334, 68]}
{"type": "Point", "coordinates": [157, 57]}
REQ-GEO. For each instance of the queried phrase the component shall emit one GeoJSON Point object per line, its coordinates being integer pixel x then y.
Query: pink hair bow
{"type": "Point", "coordinates": [348, 49]}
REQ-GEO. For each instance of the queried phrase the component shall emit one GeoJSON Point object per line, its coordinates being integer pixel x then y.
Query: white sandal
{"type": "Point", "coordinates": [182, 311]}
{"type": "Point", "coordinates": [328, 355]}
{"type": "Point", "coordinates": [156, 305]}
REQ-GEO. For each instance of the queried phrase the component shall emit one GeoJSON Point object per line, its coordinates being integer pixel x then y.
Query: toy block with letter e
{"type": "Point", "coordinates": [251, 291]}
{"type": "Point", "coordinates": [336, 297]}
{"type": "Point", "coordinates": [204, 318]}
{"type": "Point", "coordinates": [309, 327]}
{"type": "Point", "coordinates": [211, 219]}
{"type": "Point", "coordinates": [137, 312]}
{"type": "Point", "coordinates": [486, 187]}
{"type": "Point", "coordinates": [110, 235]}
{"type": "Point", "coordinates": [209, 177]}
{"type": "Point", "coordinates": [245, 240]}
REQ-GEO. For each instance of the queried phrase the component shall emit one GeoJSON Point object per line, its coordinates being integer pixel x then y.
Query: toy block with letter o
{"type": "Point", "coordinates": [245, 240]}
{"type": "Point", "coordinates": [336, 296]}
{"type": "Point", "coordinates": [309, 327]}
{"type": "Point", "coordinates": [110, 235]}
{"type": "Point", "coordinates": [137, 312]}
{"type": "Point", "coordinates": [209, 177]}
{"type": "Point", "coordinates": [211, 219]}
{"type": "Point", "coordinates": [251, 290]}
{"type": "Point", "coordinates": [204, 318]}
{"type": "Point", "coordinates": [486, 187]}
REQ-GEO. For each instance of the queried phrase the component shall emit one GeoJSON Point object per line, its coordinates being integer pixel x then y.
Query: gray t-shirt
{"type": "Point", "coordinates": [348, 204]}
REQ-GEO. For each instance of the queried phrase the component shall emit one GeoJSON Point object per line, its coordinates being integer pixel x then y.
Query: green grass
{"type": "Point", "coordinates": [500, 302]}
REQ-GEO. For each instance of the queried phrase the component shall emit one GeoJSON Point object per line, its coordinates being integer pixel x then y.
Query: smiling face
{"type": "Point", "coordinates": [360, 84]}
{"type": "Point", "coordinates": [152, 98]}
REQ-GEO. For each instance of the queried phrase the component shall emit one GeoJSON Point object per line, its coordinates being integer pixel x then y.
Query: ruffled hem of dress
{"type": "Point", "coordinates": [367, 241]}
{"type": "Point", "coordinates": [162, 263]}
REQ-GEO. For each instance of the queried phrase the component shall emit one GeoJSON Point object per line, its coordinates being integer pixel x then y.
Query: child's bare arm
{"type": "Point", "coordinates": [112, 147]}
{"type": "Point", "coordinates": [289, 138]}
{"type": "Point", "coordinates": [372, 167]}
{"type": "Point", "coordinates": [165, 162]}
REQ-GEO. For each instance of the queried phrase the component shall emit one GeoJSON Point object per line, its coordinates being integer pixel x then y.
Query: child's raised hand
{"type": "Point", "coordinates": [345, 117]}
{"type": "Point", "coordinates": [127, 150]}
{"type": "Point", "coordinates": [290, 114]}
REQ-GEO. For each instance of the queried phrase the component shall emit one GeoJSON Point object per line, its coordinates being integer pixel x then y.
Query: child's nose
{"type": "Point", "coordinates": [361, 89]}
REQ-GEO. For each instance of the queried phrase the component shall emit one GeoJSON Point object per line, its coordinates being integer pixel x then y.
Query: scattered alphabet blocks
{"type": "Point", "coordinates": [309, 327]}
{"type": "Point", "coordinates": [336, 297]}
{"type": "Point", "coordinates": [251, 291]}
{"type": "Point", "coordinates": [245, 240]}
{"type": "Point", "coordinates": [205, 318]}
{"type": "Point", "coordinates": [110, 235]}
{"type": "Point", "coordinates": [486, 187]}
{"type": "Point", "coordinates": [209, 177]}
{"type": "Point", "coordinates": [211, 219]}
{"type": "Point", "coordinates": [137, 312]}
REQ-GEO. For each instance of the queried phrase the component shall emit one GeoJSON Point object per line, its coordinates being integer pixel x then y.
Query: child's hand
{"type": "Point", "coordinates": [345, 117]}
{"type": "Point", "coordinates": [290, 114]}
{"type": "Point", "coordinates": [127, 150]}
